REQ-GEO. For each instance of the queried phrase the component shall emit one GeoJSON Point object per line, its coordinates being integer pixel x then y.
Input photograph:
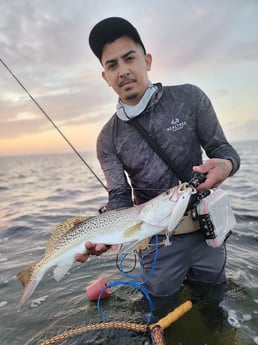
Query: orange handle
{"type": "Point", "coordinates": [173, 316]}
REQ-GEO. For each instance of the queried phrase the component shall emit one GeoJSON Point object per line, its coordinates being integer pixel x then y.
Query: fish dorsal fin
{"type": "Point", "coordinates": [133, 229]}
{"type": "Point", "coordinates": [63, 229]}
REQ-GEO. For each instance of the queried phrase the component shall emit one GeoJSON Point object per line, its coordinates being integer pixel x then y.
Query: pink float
{"type": "Point", "coordinates": [94, 289]}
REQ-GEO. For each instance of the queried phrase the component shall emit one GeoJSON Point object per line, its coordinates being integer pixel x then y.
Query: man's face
{"type": "Point", "coordinates": [126, 69]}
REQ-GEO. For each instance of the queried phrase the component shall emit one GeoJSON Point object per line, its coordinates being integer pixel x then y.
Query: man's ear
{"type": "Point", "coordinates": [104, 77]}
{"type": "Point", "coordinates": [148, 61]}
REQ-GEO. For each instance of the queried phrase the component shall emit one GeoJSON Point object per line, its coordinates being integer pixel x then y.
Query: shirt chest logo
{"type": "Point", "coordinates": [176, 125]}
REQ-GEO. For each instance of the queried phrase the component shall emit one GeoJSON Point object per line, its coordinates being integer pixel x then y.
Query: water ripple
{"type": "Point", "coordinates": [48, 189]}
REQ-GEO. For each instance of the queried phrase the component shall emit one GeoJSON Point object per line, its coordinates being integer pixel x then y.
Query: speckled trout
{"type": "Point", "coordinates": [130, 225]}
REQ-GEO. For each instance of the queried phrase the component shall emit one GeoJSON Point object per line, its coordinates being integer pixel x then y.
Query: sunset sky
{"type": "Point", "coordinates": [210, 43]}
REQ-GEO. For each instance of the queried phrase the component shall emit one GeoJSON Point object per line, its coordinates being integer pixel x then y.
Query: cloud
{"type": "Point", "coordinates": [45, 43]}
{"type": "Point", "coordinates": [244, 131]}
{"type": "Point", "coordinates": [189, 32]}
{"type": "Point", "coordinates": [205, 35]}
{"type": "Point", "coordinates": [40, 31]}
{"type": "Point", "coordinates": [22, 116]}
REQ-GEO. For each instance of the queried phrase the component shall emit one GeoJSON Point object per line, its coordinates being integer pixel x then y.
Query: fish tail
{"type": "Point", "coordinates": [29, 283]}
{"type": "Point", "coordinates": [25, 275]}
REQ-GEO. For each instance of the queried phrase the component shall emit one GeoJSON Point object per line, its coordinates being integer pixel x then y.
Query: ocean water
{"type": "Point", "coordinates": [38, 192]}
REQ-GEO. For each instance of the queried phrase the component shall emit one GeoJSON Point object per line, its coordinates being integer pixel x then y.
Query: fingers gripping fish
{"type": "Point", "coordinates": [130, 225]}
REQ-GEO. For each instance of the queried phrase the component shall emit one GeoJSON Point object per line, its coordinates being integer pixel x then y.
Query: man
{"type": "Point", "coordinates": [182, 120]}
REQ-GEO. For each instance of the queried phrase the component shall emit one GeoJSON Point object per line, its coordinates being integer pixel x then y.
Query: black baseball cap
{"type": "Point", "coordinates": [110, 29]}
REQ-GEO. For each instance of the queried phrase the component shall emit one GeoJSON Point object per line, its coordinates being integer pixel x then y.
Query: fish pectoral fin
{"type": "Point", "coordinates": [132, 230]}
{"type": "Point", "coordinates": [61, 270]}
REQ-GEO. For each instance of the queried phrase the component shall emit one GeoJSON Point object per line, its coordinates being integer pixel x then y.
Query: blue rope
{"type": "Point", "coordinates": [121, 268]}
{"type": "Point", "coordinates": [138, 285]}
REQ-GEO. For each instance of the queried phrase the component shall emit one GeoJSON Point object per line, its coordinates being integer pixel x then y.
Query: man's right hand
{"type": "Point", "coordinates": [94, 249]}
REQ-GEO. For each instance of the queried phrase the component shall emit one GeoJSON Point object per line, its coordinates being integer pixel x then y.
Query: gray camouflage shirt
{"type": "Point", "coordinates": [182, 120]}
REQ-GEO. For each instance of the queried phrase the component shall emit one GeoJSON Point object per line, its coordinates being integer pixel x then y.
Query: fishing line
{"type": "Point", "coordinates": [118, 264]}
{"type": "Point", "coordinates": [64, 137]}
{"type": "Point", "coordinates": [52, 122]}
{"type": "Point", "coordinates": [127, 273]}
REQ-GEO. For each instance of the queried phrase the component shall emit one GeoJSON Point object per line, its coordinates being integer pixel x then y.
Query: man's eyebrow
{"type": "Point", "coordinates": [128, 53]}
{"type": "Point", "coordinates": [123, 57]}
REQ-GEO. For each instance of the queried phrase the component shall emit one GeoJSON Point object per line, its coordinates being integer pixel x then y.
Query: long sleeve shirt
{"type": "Point", "coordinates": [182, 120]}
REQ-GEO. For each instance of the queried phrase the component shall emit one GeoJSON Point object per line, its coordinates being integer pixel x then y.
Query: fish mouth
{"type": "Point", "coordinates": [180, 190]}
{"type": "Point", "coordinates": [183, 186]}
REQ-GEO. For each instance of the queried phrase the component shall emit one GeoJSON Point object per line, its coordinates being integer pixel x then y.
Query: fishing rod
{"type": "Point", "coordinates": [52, 122]}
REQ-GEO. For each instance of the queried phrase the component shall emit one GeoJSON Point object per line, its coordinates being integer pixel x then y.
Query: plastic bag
{"type": "Point", "coordinates": [216, 217]}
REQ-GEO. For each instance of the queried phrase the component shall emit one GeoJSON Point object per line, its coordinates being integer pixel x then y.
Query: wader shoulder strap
{"type": "Point", "coordinates": [156, 147]}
